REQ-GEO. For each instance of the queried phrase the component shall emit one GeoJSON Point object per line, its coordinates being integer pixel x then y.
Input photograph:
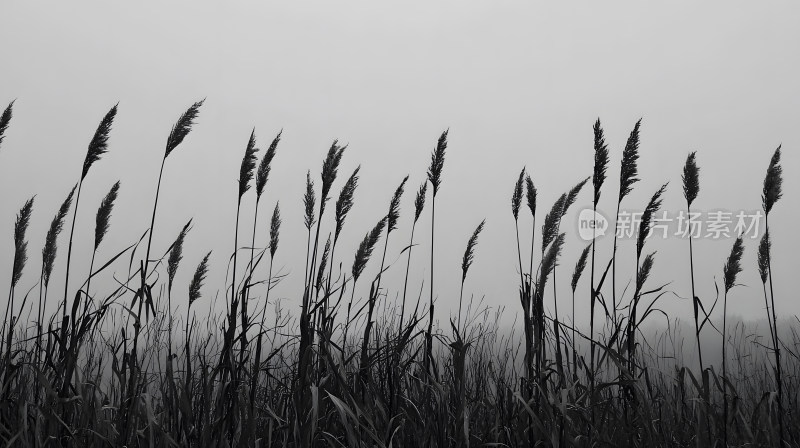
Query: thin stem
{"type": "Point", "coordinates": [69, 251]}
{"type": "Point", "coordinates": [405, 283]}
{"type": "Point", "coordinates": [777, 342]}
{"type": "Point", "coordinates": [724, 371]}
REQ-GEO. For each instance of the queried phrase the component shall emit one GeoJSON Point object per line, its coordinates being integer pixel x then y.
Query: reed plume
{"type": "Point", "coordinates": [571, 197]}
{"type": "Point", "coordinates": [274, 230]}
{"type": "Point", "coordinates": [48, 259]}
{"type": "Point", "coordinates": [394, 207]}
{"type": "Point", "coordinates": [5, 119]}
{"type": "Point", "coordinates": [20, 258]}
{"type": "Point", "coordinates": [322, 263]}
{"type": "Point", "coordinates": [419, 201]}
{"type": "Point", "coordinates": [102, 225]}
{"type": "Point", "coordinates": [627, 177]}
{"type": "Point", "coordinates": [97, 147]}
{"type": "Point", "coordinates": [262, 176]}
{"type": "Point", "coordinates": [628, 167]}
{"type": "Point", "coordinates": [733, 266]}
{"type": "Point", "coordinates": [330, 169]}
{"type": "Point", "coordinates": [771, 193]}
{"type": "Point", "coordinates": [182, 127]}
{"type": "Point", "coordinates": [345, 202]}
{"type": "Point", "coordinates": [551, 220]}
{"type": "Point", "coordinates": [763, 257]}
{"type": "Point", "coordinates": [600, 161]}
{"type": "Point", "coordinates": [99, 144]}
{"type": "Point", "coordinates": [516, 203]}
{"type": "Point", "coordinates": [550, 261]}
{"type": "Point", "coordinates": [437, 163]}
{"type": "Point", "coordinates": [731, 269]}
{"type": "Point", "coordinates": [773, 182]}
{"type": "Point", "coordinates": [466, 262]}
{"type": "Point", "coordinates": [365, 249]}
{"type": "Point", "coordinates": [469, 253]}
{"type": "Point", "coordinates": [580, 266]}
{"type": "Point", "coordinates": [530, 196]}
{"type": "Point", "coordinates": [176, 255]}
{"type": "Point", "coordinates": [646, 223]}
{"type": "Point", "coordinates": [20, 245]}
{"type": "Point", "coordinates": [180, 130]}
{"type": "Point", "coordinates": [51, 240]}
{"type": "Point", "coordinates": [435, 178]}
{"type": "Point", "coordinates": [197, 279]}
{"type": "Point", "coordinates": [516, 196]}
{"type": "Point", "coordinates": [691, 178]}
{"type": "Point", "coordinates": [103, 217]}
{"type": "Point", "coordinates": [265, 166]}
{"type": "Point", "coordinates": [246, 171]}
{"type": "Point", "coordinates": [691, 187]}
{"type": "Point", "coordinates": [309, 200]}
{"type": "Point", "coordinates": [598, 178]}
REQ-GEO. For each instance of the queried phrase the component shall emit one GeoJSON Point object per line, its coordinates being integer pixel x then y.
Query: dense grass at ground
{"type": "Point", "coordinates": [125, 366]}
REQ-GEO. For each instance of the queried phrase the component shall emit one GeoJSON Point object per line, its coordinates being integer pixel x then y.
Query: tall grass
{"type": "Point", "coordinates": [322, 371]}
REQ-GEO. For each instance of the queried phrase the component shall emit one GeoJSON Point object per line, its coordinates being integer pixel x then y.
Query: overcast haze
{"type": "Point", "coordinates": [517, 83]}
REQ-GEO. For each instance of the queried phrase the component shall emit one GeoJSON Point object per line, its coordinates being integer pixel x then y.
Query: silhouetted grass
{"type": "Point", "coordinates": [373, 371]}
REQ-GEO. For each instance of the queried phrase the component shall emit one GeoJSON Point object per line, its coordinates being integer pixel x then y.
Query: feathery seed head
{"type": "Point", "coordinates": [644, 271]}
{"type": "Point", "coordinates": [394, 207]}
{"type": "Point", "coordinates": [274, 230]}
{"type": "Point", "coordinates": [51, 241]}
{"type": "Point", "coordinates": [197, 279]}
{"type": "Point", "coordinates": [437, 163]}
{"type": "Point", "coordinates": [773, 182]}
{"type": "Point", "coordinates": [600, 160]}
{"type": "Point", "coordinates": [419, 202]}
{"type": "Point", "coordinates": [550, 261]}
{"type": "Point", "coordinates": [469, 253]}
{"type": "Point", "coordinates": [264, 168]}
{"type": "Point", "coordinates": [308, 201]}
{"type": "Point", "coordinates": [646, 223]}
{"type": "Point", "coordinates": [733, 266]}
{"type": "Point", "coordinates": [629, 169]}
{"type": "Point", "coordinates": [99, 144]}
{"type": "Point", "coordinates": [764, 249]}
{"type": "Point", "coordinates": [176, 254]}
{"type": "Point", "coordinates": [5, 119]}
{"type": "Point", "coordinates": [516, 197]}
{"type": "Point", "coordinates": [182, 127]}
{"type": "Point", "coordinates": [103, 218]}
{"type": "Point", "coordinates": [579, 267]}
{"type": "Point", "coordinates": [20, 245]}
{"type": "Point", "coordinates": [550, 226]}
{"type": "Point", "coordinates": [248, 165]}
{"type": "Point", "coordinates": [572, 196]}
{"type": "Point", "coordinates": [691, 178]}
{"type": "Point", "coordinates": [323, 263]}
{"type": "Point", "coordinates": [530, 193]}
{"type": "Point", "coordinates": [365, 249]}
{"type": "Point", "coordinates": [330, 168]}
{"type": "Point", "coordinates": [345, 201]}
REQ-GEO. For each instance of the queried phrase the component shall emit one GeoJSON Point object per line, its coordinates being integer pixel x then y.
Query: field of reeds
{"type": "Point", "coordinates": [132, 358]}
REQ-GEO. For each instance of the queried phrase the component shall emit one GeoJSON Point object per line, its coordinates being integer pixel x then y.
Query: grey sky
{"type": "Point", "coordinates": [517, 83]}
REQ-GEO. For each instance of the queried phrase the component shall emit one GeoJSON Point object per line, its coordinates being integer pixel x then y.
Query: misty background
{"type": "Point", "coordinates": [517, 83]}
